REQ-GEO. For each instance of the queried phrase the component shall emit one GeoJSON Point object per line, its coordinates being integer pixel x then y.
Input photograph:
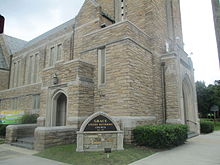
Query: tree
{"type": "Point", "coordinates": [202, 98]}
{"type": "Point", "coordinates": [207, 96]}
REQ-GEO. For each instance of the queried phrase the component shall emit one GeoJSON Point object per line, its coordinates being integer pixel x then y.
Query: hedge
{"type": "Point", "coordinates": [206, 126]}
{"type": "Point", "coordinates": [160, 136]}
{"type": "Point", "coordinates": [29, 118]}
{"type": "Point", "coordinates": [3, 130]}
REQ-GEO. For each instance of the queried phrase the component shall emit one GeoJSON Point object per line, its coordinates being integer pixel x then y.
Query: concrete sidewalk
{"type": "Point", "coordinates": [201, 150]}
{"type": "Point", "coordinates": [10, 155]}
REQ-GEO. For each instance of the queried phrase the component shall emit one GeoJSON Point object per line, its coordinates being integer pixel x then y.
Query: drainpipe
{"type": "Point", "coordinates": [163, 64]}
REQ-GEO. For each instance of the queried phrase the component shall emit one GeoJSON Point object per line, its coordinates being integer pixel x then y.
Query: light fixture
{"type": "Point", "coordinates": [55, 79]}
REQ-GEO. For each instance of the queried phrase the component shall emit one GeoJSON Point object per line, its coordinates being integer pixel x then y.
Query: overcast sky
{"type": "Point", "coordinates": [26, 19]}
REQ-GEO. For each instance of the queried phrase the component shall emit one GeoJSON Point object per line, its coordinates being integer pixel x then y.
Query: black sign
{"type": "Point", "coordinates": [100, 123]}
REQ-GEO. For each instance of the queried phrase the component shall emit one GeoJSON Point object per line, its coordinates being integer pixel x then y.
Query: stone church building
{"type": "Point", "coordinates": [121, 57]}
{"type": "Point", "coordinates": [216, 18]}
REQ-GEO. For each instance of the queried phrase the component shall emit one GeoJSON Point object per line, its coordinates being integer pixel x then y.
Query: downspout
{"type": "Point", "coordinates": [9, 78]}
{"type": "Point", "coordinates": [164, 92]}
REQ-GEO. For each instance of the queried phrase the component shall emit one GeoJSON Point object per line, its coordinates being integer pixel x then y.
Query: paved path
{"type": "Point", "coordinates": [10, 155]}
{"type": "Point", "coordinates": [201, 150]}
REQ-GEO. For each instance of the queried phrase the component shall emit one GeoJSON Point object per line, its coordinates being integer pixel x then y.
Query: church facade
{"type": "Point", "coordinates": [121, 57]}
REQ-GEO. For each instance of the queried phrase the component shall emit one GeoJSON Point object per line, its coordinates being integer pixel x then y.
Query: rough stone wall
{"type": "Point", "coordinates": [172, 86]}
{"type": "Point", "coordinates": [21, 96]}
{"type": "Point", "coordinates": [151, 17]}
{"type": "Point", "coordinates": [65, 73]}
{"type": "Point", "coordinates": [76, 81]}
{"type": "Point", "coordinates": [53, 136]}
{"type": "Point", "coordinates": [14, 132]}
{"type": "Point", "coordinates": [181, 103]}
{"type": "Point", "coordinates": [110, 97]}
{"type": "Point", "coordinates": [115, 93]}
{"type": "Point", "coordinates": [108, 7]}
{"type": "Point", "coordinates": [88, 12]}
{"type": "Point", "coordinates": [140, 81]}
{"type": "Point", "coordinates": [177, 23]}
{"type": "Point", "coordinates": [4, 74]}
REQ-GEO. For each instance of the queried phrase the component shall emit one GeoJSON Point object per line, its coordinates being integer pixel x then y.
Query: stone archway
{"type": "Point", "coordinates": [59, 112]}
{"type": "Point", "coordinates": [188, 104]}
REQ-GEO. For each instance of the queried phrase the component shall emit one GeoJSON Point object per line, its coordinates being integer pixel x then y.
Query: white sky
{"type": "Point", "coordinates": [199, 38]}
{"type": "Point", "coordinates": [26, 19]}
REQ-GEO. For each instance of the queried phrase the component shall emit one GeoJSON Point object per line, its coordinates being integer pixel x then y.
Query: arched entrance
{"type": "Point", "coordinates": [59, 109]}
{"type": "Point", "coordinates": [188, 105]}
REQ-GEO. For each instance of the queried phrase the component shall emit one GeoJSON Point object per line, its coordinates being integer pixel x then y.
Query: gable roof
{"type": "Point", "coordinates": [13, 44]}
{"type": "Point", "coordinates": [8, 45]}
{"type": "Point", "coordinates": [50, 32]}
{"type": "Point", "coordinates": [3, 64]}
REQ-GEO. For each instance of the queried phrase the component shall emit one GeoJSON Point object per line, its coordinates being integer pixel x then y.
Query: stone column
{"type": "Point", "coordinates": [79, 142]}
{"type": "Point", "coordinates": [120, 137]}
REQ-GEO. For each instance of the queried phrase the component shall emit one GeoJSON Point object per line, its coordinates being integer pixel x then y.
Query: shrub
{"type": "Point", "coordinates": [206, 126]}
{"type": "Point", "coordinates": [160, 136]}
{"type": "Point", "coordinates": [3, 130]}
{"type": "Point", "coordinates": [29, 118]}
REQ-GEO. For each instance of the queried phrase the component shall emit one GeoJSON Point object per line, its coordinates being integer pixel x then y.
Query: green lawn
{"type": "Point", "coordinates": [68, 154]}
{"type": "Point", "coordinates": [217, 126]}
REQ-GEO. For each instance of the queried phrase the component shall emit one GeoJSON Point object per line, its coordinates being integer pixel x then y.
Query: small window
{"type": "Point", "coordinates": [101, 66]}
{"type": "Point", "coordinates": [14, 74]}
{"type": "Point", "coordinates": [18, 73]}
{"type": "Point", "coordinates": [36, 102]}
{"type": "Point", "coordinates": [59, 52]}
{"type": "Point", "coordinates": [30, 69]}
{"type": "Point", "coordinates": [36, 68]}
{"type": "Point", "coordinates": [52, 54]}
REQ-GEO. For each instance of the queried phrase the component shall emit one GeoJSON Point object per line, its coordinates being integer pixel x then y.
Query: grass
{"type": "Point", "coordinates": [217, 123]}
{"type": "Point", "coordinates": [68, 154]}
{"type": "Point", "coordinates": [217, 126]}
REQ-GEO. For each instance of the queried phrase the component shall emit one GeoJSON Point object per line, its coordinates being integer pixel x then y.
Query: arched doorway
{"type": "Point", "coordinates": [188, 105]}
{"type": "Point", "coordinates": [59, 109]}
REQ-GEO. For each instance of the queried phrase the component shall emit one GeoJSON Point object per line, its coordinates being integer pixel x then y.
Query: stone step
{"type": "Point", "coordinates": [28, 140]}
{"type": "Point", "coordinates": [192, 134]}
{"type": "Point", "coordinates": [23, 145]}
